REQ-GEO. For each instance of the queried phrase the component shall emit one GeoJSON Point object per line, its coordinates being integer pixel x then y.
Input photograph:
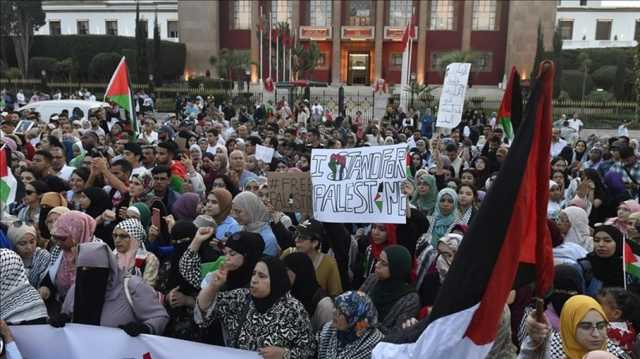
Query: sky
{"type": "Point", "coordinates": [621, 3]}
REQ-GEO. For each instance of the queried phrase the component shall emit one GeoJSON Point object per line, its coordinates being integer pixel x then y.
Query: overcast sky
{"type": "Point", "coordinates": [621, 3]}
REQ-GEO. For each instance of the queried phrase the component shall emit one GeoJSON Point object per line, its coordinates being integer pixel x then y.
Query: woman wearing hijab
{"type": "Point", "coordinates": [305, 288]}
{"type": "Point", "coordinates": [33, 192]}
{"type": "Point", "coordinates": [78, 183]}
{"type": "Point", "coordinates": [130, 252]}
{"type": "Point", "coordinates": [353, 333]}
{"type": "Point", "coordinates": [70, 230]}
{"type": "Point", "coordinates": [141, 212]}
{"type": "Point", "coordinates": [186, 207]}
{"type": "Point", "coordinates": [140, 185]}
{"type": "Point", "coordinates": [431, 274]}
{"type": "Point", "coordinates": [444, 215]}
{"type": "Point", "coordinates": [625, 209]}
{"type": "Point", "coordinates": [95, 201]}
{"type": "Point", "coordinates": [390, 290]}
{"type": "Point", "coordinates": [35, 260]}
{"type": "Point", "coordinates": [583, 328]}
{"type": "Point", "coordinates": [20, 302]}
{"type": "Point", "coordinates": [49, 201]}
{"type": "Point", "coordinates": [218, 206]}
{"type": "Point", "coordinates": [578, 231]}
{"type": "Point", "coordinates": [48, 222]}
{"type": "Point", "coordinates": [370, 248]}
{"type": "Point", "coordinates": [104, 295]}
{"type": "Point", "coordinates": [252, 215]}
{"type": "Point", "coordinates": [564, 251]}
{"type": "Point", "coordinates": [425, 194]}
{"type": "Point", "coordinates": [604, 264]}
{"type": "Point", "coordinates": [263, 318]}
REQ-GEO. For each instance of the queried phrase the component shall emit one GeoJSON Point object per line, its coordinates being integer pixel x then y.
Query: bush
{"type": "Point", "coordinates": [37, 64]}
{"type": "Point", "coordinates": [572, 83]}
{"type": "Point", "coordinates": [603, 96]}
{"type": "Point", "coordinates": [103, 65]}
{"type": "Point", "coordinates": [605, 77]}
{"type": "Point", "coordinates": [209, 83]}
{"type": "Point", "coordinates": [12, 73]}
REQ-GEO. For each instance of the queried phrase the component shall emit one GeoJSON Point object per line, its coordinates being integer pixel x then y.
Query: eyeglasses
{"type": "Point", "coordinates": [589, 327]}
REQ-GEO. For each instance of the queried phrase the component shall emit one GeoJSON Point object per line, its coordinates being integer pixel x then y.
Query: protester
{"type": "Point", "coordinates": [19, 300]}
{"type": "Point", "coordinates": [249, 211]}
{"type": "Point", "coordinates": [35, 259]}
{"type": "Point", "coordinates": [130, 252]}
{"type": "Point", "coordinates": [605, 260]}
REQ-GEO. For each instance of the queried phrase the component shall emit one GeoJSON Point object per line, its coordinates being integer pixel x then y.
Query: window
{"type": "Point", "coordinates": [320, 13]}
{"type": "Point", "coordinates": [54, 27]}
{"type": "Point", "coordinates": [241, 15]}
{"type": "Point", "coordinates": [583, 2]}
{"type": "Point", "coordinates": [442, 12]}
{"type": "Point", "coordinates": [484, 15]}
{"type": "Point", "coordinates": [281, 11]}
{"type": "Point", "coordinates": [396, 60]}
{"type": "Point", "coordinates": [400, 12]}
{"type": "Point", "coordinates": [361, 13]}
{"type": "Point", "coordinates": [603, 29]}
{"type": "Point", "coordinates": [83, 27]}
{"type": "Point", "coordinates": [484, 62]}
{"type": "Point", "coordinates": [172, 29]}
{"type": "Point", "coordinates": [322, 60]}
{"type": "Point", "coordinates": [566, 29]}
{"type": "Point", "coordinates": [111, 27]}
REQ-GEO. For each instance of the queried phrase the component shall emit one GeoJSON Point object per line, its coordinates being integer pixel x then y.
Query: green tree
{"type": "Point", "coordinates": [472, 57]}
{"type": "Point", "coordinates": [585, 65]}
{"type": "Point", "coordinates": [68, 69]}
{"type": "Point", "coordinates": [636, 70]}
{"type": "Point", "coordinates": [618, 86]}
{"type": "Point", "coordinates": [539, 52]}
{"type": "Point", "coordinates": [19, 19]}
{"type": "Point", "coordinates": [156, 51]}
{"type": "Point", "coordinates": [141, 47]}
{"type": "Point", "coordinates": [305, 59]}
{"type": "Point", "coordinates": [557, 60]}
{"type": "Point", "coordinates": [230, 64]}
{"type": "Point", "coordinates": [103, 65]}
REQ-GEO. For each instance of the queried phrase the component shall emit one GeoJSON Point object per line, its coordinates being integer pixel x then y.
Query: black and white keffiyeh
{"type": "Point", "coordinates": [19, 301]}
{"type": "Point", "coordinates": [134, 228]}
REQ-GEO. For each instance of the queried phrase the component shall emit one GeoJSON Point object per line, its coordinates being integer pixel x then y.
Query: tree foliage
{"type": "Point", "coordinates": [231, 64]}
{"type": "Point", "coordinates": [19, 19]}
{"type": "Point", "coordinates": [605, 77]}
{"type": "Point", "coordinates": [103, 65]}
{"type": "Point", "coordinates": [306, 59]}
{"type": "Point", "coordinates": [156, 50]}
{"type": "Point", "coordinates": [585, 65]}
{"type": "Point", "coordinates": [141, 47]}
{"type": "Point", "coordinates": [557, 60]}
{"type": "Point", "coordinates": [539, 52]}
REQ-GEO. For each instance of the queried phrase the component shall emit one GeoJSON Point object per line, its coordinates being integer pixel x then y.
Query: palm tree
{"type": "Point", "coordinates": [231, 63]}
{"type": "Point", "coordinates": [585, 64]}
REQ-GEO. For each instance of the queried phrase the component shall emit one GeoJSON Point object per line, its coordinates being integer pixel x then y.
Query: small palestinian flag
{"type": "Point", "coordinates": [119, 91]}
{"type": "Point", "coordinates": [631, 261]}
{"type": "Point", "coordinates": [408, 161]}
{"type": "Point", "coordinates": [8, 183]}
{"type": "Point", "coordinates": [510, 232]}
{"type": "Point", "coordinates": [378, 198]}
{"type": "Point", "coordinates": [511, 103]}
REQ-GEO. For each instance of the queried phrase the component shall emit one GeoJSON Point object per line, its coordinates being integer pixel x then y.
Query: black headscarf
{"type": "Point", "coordinates": [279, 280]}
{"type": "Point", "coordinates": [250, 246]}
{"type": "Point", "coordinates": [100, 201]}
{"type": "Point", "coordinates": [567, 278]}
{"type": "Point", "coordinates": [387, 292]}
{"type": "Point", "coordinates": [181, 235]}
{"type": "Point", "coordinates": [608, 270]}
{"type": "Point", "coordinates": [306, 285]}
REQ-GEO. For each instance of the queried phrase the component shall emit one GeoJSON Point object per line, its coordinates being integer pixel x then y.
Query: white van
{"type": "Point", "coordinates": [80, 108]}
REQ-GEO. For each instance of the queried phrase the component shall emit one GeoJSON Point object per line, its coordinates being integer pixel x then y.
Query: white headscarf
{"type": "Point", "coordinates": [253, 206]}
{"type": "Point", "coordinates": [579, 232]}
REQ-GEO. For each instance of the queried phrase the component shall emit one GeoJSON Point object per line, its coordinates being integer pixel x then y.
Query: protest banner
{"type": "Point", "coordinates": [264, 153]}
{"type": "Point", "coordinates": [76, 341]}
{"type": "Point", "coordinates": [359, 185]}
{"type": "Point", "coordinates": [290, 191]}
{"type": "Point", "coordinates": [454, 88]}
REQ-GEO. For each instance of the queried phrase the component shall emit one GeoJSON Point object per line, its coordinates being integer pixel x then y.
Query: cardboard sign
{"type": "Point", "coordinates": [290, 191]}
{"type": "Point", "coordinates": [359, 185]}
{"type": "Point", "coordinates": [452, 97]}
{"type": "Point", "coordinates": [264, 153]}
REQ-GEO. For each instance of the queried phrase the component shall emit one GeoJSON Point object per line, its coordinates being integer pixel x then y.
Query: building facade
{"type": "Point", "coordinates": [598, 23]}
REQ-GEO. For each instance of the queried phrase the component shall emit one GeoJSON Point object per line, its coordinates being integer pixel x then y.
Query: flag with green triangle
{"type": "Point", "coordinates": [119, 92]}
{"type": "Point", "coordinates": [511, 102]}
{"type": "Point", "coordinates": [8, 183]}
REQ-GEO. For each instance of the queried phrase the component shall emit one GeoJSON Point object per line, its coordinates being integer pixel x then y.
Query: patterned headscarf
{"type": "Point", "coordinates": [451, 240]}
{"type": "Point", "coordinates": [20, 301]}
{"type": "Point", "coordinates": [147, 182]}
{"type": "Point", "coordinates": [425, 203]}
{"type": "Point", "coordinates": [360, 313]}
{"type": "Point", "coordinates": [136, 237]}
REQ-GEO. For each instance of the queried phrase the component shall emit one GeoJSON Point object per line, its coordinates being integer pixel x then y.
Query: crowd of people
{"type": "Point", "coordinates": [171, 232]}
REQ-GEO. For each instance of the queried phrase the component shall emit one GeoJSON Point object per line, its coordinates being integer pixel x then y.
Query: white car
{"type": "Point", "coordinates": [79, 108]}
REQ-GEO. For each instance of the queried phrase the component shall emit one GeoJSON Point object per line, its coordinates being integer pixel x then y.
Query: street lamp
{"type": "Point", "coordinates": [413, 87]}
{"type": "Point", "coordinates": [150, 82]}
{"type": "Point", "coordinates": [43, 74]}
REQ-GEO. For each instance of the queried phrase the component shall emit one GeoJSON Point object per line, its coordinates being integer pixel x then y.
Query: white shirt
{"type": "Point", "coordinates": [556, 147]}
{"type": "Point", "coordinates": [317, 109]}
{"type": "Point", "coordinates": [65, 173]}
{"type": "Point", "coordinates": [576, 124]}
{"type": "Point", "coordinates": [623, 130]}
{"type": "Point", "coordinates": [150, 138]}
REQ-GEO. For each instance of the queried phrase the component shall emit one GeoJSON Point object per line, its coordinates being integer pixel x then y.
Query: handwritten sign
{"type": "Point", "coordinates": [359, 185]}
{"type": "Point", "coordinates": [264, 153]}
{"type": "Point", "coordinates": [290, 191]}
{"type": "Point", "coordinates": [452, 96]}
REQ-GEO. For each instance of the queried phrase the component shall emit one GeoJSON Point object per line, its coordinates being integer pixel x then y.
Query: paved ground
{"type": "Point", "coordinates": [608, 133]}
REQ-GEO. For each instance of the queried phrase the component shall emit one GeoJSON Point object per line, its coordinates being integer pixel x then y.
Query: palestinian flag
{"type": "Point", "coordinates": [631, 262]}
{"type": "Point", "coordinates": [119, 91]}
{"type": "Point", "coordinates": [8, 183]}
{"type": "Point", "coordinates": [511, 103]}
{"type": "Point", "coordinates": [509, 232]}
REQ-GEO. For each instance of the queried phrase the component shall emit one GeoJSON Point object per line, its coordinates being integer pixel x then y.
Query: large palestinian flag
{"type": "Point", "coordinates": [119, 91]}
{"type": "Point", "coordinates": [509, 232]}
{"type": "Point", "coordinates": [511, 103]}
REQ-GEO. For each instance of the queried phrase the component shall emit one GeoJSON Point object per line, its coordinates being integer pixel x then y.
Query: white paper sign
{"type": "Point", "coordinates": [359, 185]}
{"type": "Point", "coordinates": [264, 153]}
{"type": "Point", "coordinates": [452, 97]}
{"type": "Point", "coordinates": [76, 341]}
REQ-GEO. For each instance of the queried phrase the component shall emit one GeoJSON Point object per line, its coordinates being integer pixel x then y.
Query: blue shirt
{"type": "Point", "coordinates": [426, 128]}
{"type": "Point", "coordinates": [270, 242]}
{"type": "Point", "coordinates": [228, 227]}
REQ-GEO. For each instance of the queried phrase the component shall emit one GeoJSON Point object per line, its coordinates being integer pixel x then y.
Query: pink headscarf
{"type": "Point", "coordinates": [79, 228]}
{"type": "Point", "coordinates": [631, 205]}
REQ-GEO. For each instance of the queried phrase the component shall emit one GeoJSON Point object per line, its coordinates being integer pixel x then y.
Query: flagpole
{"type": "Point", "coordinates": [270, 44]}
{"type": "Point", "coordinates": [291, 43]}
{"type": "Point", "coordinates": [277, 54]}
{"type": "Point", "coordinates": [284, 57]}
{"type": "Point", "coordinates": [261, 22]}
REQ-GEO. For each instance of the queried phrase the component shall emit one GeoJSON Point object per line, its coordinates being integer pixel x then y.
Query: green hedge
{"type": "Point", "coordinates": [84, 47]}
{"type": "Point", "coordinates": [572, 83]}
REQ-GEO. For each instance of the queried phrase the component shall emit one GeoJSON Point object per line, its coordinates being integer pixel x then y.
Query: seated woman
{"type": "Point", "coordinates": [583, 328]}
{"type": "Point", "coordinates": [603, 266]}
{"type": "Point", "coordinates": [394, 297]}
{"type": "Point", "coordinates": [95, 201]}
{"type": "Point", "coordinates": [353, 333]}
{"type": "Point", "coordinates": [369, 249]}
{"type": "Point", "coordinates": [20, 302]}
{"type": "Point", "coordinates": [130, 252]}
{"type": "Point", "coordinates": [264, 317]}
{"type": "Point", "coordinates": [103, 295]}
{"type": "Point", "coordinates": [432, 280]}
{"type": "Point", "coordinates": [251, 214]}
{"type": "Point", "coordinates": [305, 288]}
{"type": "Point", "coordinates": [35, 259]}
{"type": "Point", "coordinates": [218, 206]}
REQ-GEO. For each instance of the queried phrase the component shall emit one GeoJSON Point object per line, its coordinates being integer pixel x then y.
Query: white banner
{"type": "Point", "coordinates": [452, 97]}
{"type": "Point", "coordinates": [76, 341]}
{"type": "Point", "coordinates": [359, 185]}
{"type": "Point", "coordinates": [264, 153]}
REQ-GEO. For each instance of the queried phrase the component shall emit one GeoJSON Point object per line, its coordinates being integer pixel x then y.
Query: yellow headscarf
{"type": "Point", "coordinates": [572, 313]}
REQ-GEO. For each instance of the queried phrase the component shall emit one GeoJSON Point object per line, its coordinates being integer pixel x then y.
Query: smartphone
{"type": "Point", "coordinates": [155, 217]}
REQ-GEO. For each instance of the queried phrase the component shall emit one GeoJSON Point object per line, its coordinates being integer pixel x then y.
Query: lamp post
{"type": "Point", "coordinates": [413, 86]}
{"type": "Point", "coordinates": [43, 78]}
{"type": "Point", "coordinates": [151, 83]}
